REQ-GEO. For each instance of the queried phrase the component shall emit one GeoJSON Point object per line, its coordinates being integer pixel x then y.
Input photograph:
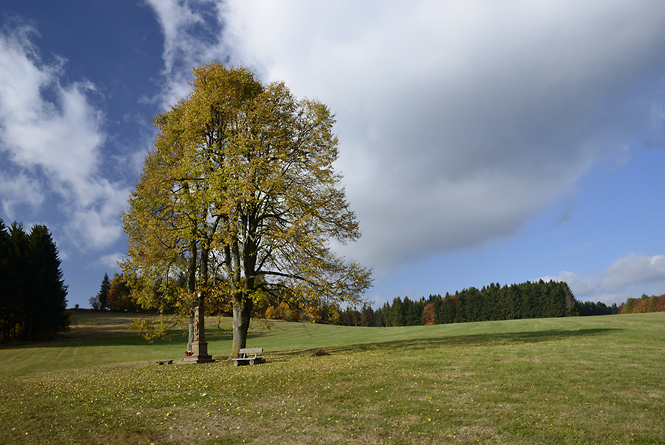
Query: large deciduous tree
{"type": "Point", "coordinates": [240, 198]}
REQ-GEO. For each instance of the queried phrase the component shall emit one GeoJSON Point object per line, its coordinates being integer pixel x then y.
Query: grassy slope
{"type": "Point", "coordinates": [591, 379]}
{"type": "Point", "coordinates": [104, 338]}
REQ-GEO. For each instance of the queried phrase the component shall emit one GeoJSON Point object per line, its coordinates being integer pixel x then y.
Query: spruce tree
{"type": "Point", "coordinates": [33, 297]}
{"type": "Point", "coordinates": [6, 302]}
{"type": "Point", "coordinates": [47, 293]}
{"type": "Point", "coordinates": [18, 277]}
{"type": "Point", "coordinates": [104, 292]}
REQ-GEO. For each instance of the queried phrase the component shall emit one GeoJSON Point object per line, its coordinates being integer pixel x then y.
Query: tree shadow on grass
{"type": "Point", "coordinates": [105, 328]}
{"type": "Point", "coordinates": [106, 339]}
{"type": "Point", "coordinates": [470, 341]}
{"type": "Point", "coordinates": [214, 335]}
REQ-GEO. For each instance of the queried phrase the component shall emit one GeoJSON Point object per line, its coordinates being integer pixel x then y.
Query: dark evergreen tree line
{"type": "Point", "coordinates": [597, 308]}
{"type": "Point", "coordinates": [32, 291]}
{"type": "Point", "coordinates": [494, 302]}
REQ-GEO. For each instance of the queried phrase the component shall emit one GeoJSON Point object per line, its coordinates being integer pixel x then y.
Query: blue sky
{"type": "Point", "coordinates": [480, 141]}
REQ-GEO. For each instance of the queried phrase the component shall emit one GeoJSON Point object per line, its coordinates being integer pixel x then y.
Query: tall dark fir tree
{"type": "Point", "coordinates": [6, 299]}
{"type": "Point", "coordinates": [104, 292]}
{"type": "Point", "coordinates": [32, 291]}
{"type": "Point", "coordinates": [47, 291]}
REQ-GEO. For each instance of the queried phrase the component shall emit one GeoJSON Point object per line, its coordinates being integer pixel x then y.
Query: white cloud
{"type": "Point", "coordinates": [95, 220]}
{"type": "Point", "coordinates": [51, 137]}
{"type": "Point", "coordinates": [459, 121]}
{"type": "Point", "coordinates": [111, 261]}
{"type": "Point", "coordinates": [183, 22]}
{"type": "Point", "coordinates": [635, 269]}
{"type": "Point", "coordinates": [16, 190]}
{"type": "Point", "coordinates": [629, 276]}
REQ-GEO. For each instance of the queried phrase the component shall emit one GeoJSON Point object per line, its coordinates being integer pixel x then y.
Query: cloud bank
{"type": "Point", "coordinates": [50, 141]}
{"type": "Point", "coordinates": [624, 278]}
{"type": "Point", "coordinates": [459, 121]}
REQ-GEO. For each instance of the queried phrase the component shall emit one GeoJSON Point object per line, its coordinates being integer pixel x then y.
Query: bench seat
{"type": "Point", "coordinates": [249, 356]}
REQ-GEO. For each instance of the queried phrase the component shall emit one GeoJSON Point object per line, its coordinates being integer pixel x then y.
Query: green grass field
{"type": "Point", "coordinates": [569, 380]}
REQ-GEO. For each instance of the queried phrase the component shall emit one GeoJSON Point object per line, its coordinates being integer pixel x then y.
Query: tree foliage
{"type": "Point", "coordinates": [32, 291]}
{"type": "Point", "coordinates": [239, 201]}
{"type": "Point", "coordinates": [115, 295]}
{"type": "Point", "coordinates": [643, 304]}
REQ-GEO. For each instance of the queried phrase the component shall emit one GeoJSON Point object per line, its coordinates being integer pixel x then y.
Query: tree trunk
{"type": "Point", "coordinates": [242, 311]}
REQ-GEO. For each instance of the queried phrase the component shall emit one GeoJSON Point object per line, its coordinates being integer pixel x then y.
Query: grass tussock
{"type": "Point", "coordinates": [584, 380]}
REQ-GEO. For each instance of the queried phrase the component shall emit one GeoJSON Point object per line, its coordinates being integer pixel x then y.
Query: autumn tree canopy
{"type": "Point", "coordinates": [238, 200]}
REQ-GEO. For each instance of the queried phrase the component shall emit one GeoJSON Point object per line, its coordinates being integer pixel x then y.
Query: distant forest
{"type": "Point", "coordinates": [643, 305]}
{"type": "Point", "coordinates": [494, 302]}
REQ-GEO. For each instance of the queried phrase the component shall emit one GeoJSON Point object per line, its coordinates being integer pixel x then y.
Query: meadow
{"type": "Point", "coordinates": [557, 380]}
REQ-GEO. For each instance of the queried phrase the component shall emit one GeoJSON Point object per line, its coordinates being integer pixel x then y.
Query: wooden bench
{"type": "Point", "coordinates": [165, 362]}
{"type": "Point", "coordinates": [246, 357]}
